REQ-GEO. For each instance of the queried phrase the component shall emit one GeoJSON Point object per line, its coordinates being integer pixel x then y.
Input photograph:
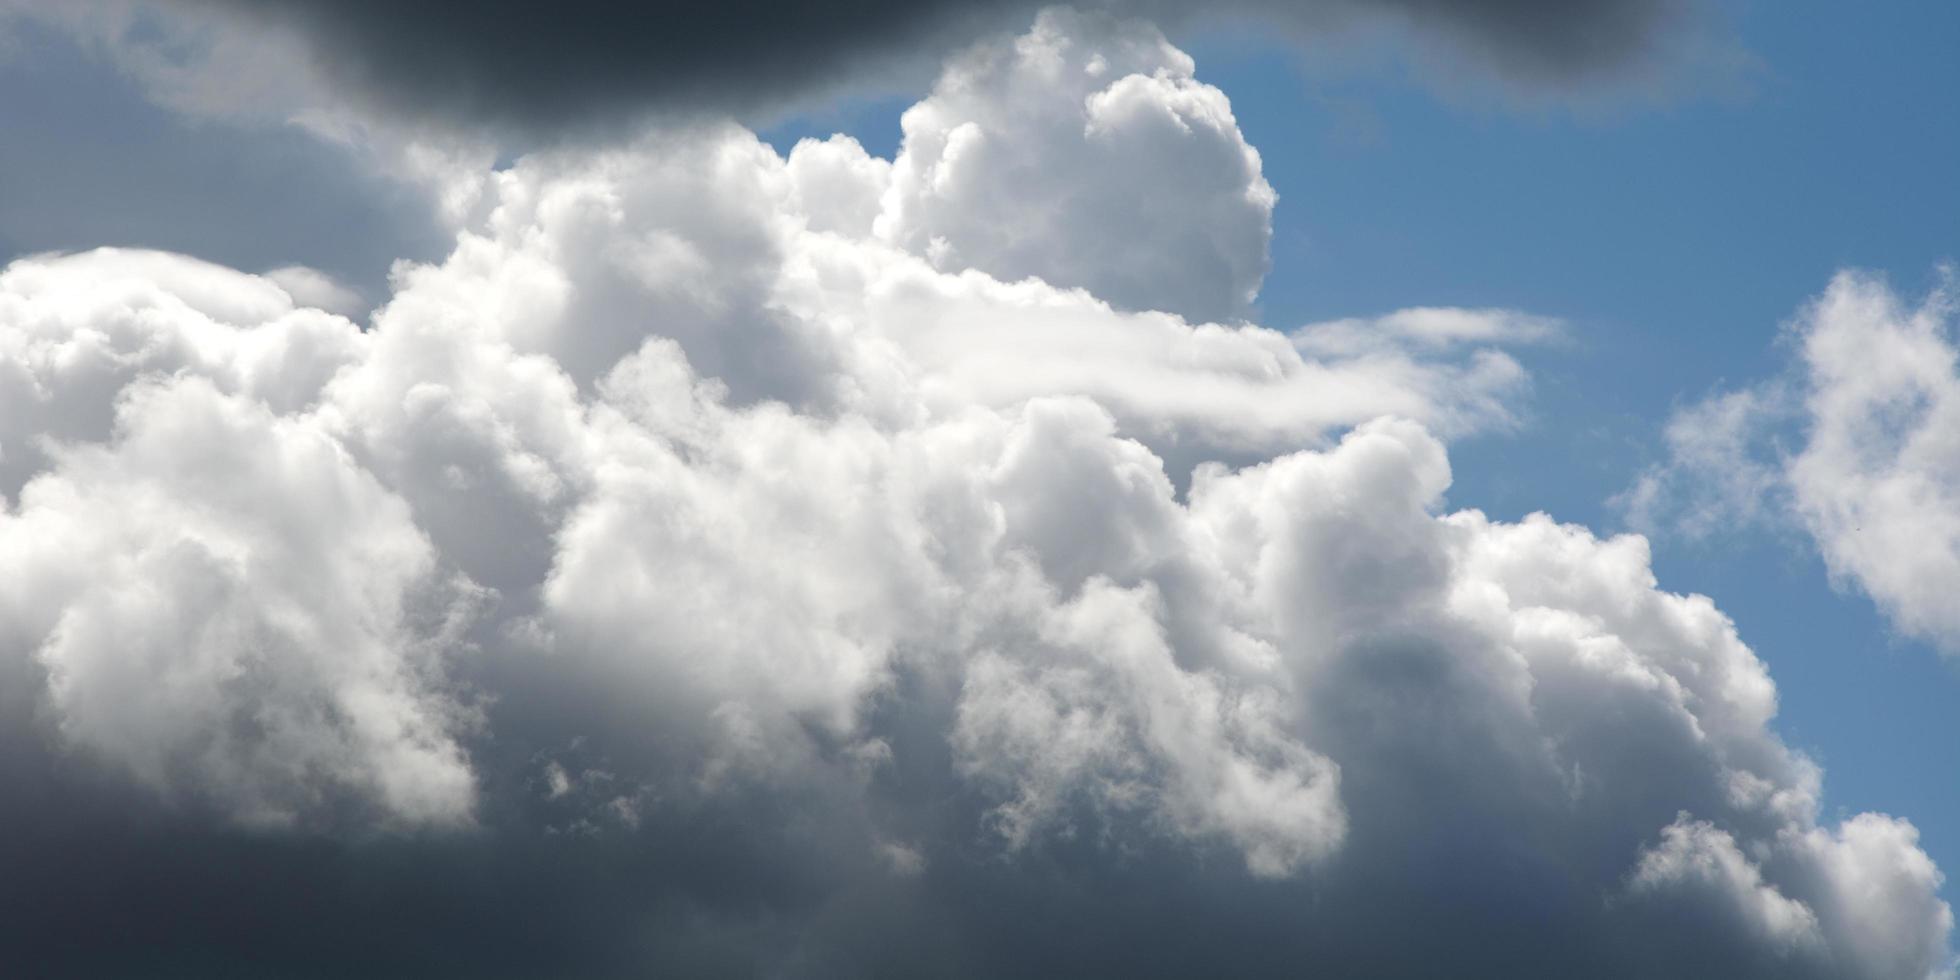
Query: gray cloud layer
{"type": "Point", "coordinates": [544, 65]}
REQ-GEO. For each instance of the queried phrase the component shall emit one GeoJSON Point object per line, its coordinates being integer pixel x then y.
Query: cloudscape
{"type": "Point", "coordinates": [603, 490]}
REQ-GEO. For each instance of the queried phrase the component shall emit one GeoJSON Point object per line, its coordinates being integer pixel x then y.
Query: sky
{"type": "Point", "coordinates": [1414, 488]}
{"type": "Point", "coordinates": [1677, 240]}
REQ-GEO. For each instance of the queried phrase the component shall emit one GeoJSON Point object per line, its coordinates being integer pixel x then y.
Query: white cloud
{"type": "Point", "coordinates": [1429, 326]}
{"type": "Point", "coordinates": [1716, 478]}
{"type": "Point", "coordinates": [1878, 480]}
{"type": "Point", "coordinates": [75, 330]}
{"type": "Point", "coordinates": [229, 608]}
{"type": "Point", "coordinates": [773, 511]}
{"type": "Point", "coordinates": [1176, 218]}
{"type": "Point", "coordinates": [315, 289]}
{"type": "Point", "coordinates": [1694, 855]}
{"type": "Point", "coordinates": [1859, 446]}
{"type": "Point", "coordinates": [1874, 876]}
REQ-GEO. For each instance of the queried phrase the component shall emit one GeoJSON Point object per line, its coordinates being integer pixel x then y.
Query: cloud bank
{"type": "Point", "coordinates": [729, 563]}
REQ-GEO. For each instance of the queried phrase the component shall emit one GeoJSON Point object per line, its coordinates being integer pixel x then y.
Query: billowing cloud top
{"type": "Point", "coordinates": [728, 563]}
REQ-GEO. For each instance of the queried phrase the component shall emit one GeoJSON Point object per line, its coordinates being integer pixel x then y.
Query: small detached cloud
{"type": "Point", "coordinates": [1432, 327]}
{"type": "Point", "coordinates": [1855, 446]}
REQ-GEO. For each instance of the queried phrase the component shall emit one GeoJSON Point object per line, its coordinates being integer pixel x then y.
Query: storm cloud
{"type": "Point", "coordinates": [536, 65]}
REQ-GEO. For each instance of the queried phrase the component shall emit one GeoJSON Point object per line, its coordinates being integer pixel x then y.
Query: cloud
{"type": "Point", "coordinates": [1430, 326]}
{"type": "Point", "coordinates": [984, 183]}
{"type": "Point", "coordinates": [374, 167]}
{"type": "Point", "coordinates": [1716, 478]}
{"type": "Point", "coordinates": [228, 608]}
{"type": "Point", "coordinates": [1695, 856]}
{"type": "Point", "coordinates": [81, 328]}
{"type": "Point", "coordinates": [315, 289]}
{"type": "Point", "coordinates": [543, 67]}
{"type": "Point", "coordinates": [688, 575]}
{"type": "Point", "coordinates": [1855, 446]}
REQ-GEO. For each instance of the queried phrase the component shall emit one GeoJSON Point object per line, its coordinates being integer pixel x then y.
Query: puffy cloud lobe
{"type": "Point", "coordinates": [709, 240]}
{"type": "Point", "coordinates": [227, 606]}
{"type": "Point", "coordinates": [81, 328]}
{"type": "Point", "coordinates": [987, 176]}
{"type": "Point", "coordinates": [1873, 875]}
{"type": "Point", "coordinates": [909, 611]}
{"type": "Point", "coordinates": [1694, 855]}
{"type": "Point", "coordinates": [1856, 446]}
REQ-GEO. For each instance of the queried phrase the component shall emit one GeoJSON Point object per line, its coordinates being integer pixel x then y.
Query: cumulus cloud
{"type": "Point", "coordinates": [383, 123]}
{"type": "Point", "coordinates": [1695, 856]}
{"type": "Point", "coordinates": [1856, 446]}
{"type": "Point", "coordinates": [695, 571]}
{"type": "Point", "coordinates": [227, 606]}
{"type": "Point", "coordinates": [985, 183]}
{"type": "Point", "coordinates": [81, 328]}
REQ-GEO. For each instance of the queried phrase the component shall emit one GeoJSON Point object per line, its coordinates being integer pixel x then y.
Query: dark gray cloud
{"type": "Point", "coordinates": [546, 65]}
{"type": "Point", "coordinates": [1542, 39]}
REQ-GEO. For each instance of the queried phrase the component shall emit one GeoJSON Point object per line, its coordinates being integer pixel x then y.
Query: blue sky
{"type": "Point", "coordinates": [1676, 235]}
